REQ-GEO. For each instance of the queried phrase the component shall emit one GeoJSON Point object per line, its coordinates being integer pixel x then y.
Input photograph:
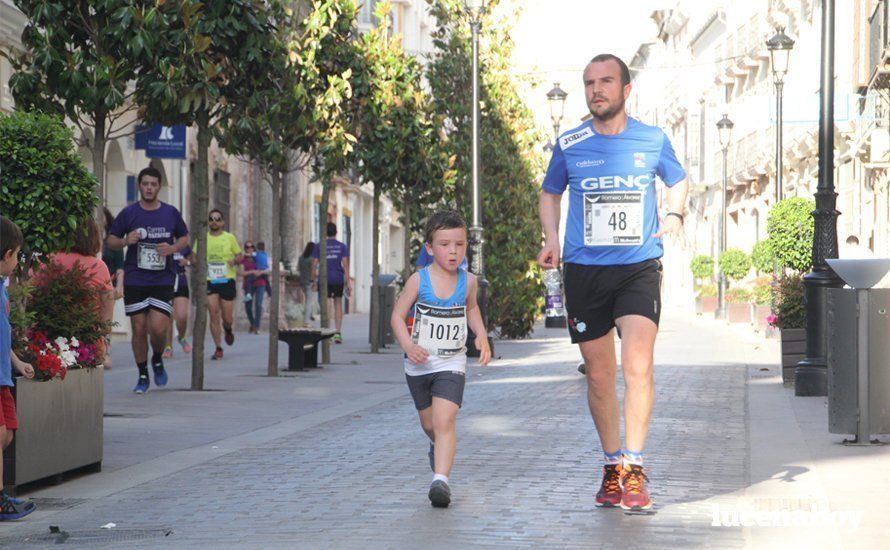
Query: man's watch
{"type": "Point", "coordinates": [677, 214]}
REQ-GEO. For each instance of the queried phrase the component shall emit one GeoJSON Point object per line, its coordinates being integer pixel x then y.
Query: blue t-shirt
{"type": "Point", "coordinates": [611, 179]}
{"type": "Point", "coordinates": [163, 225]}
{"type": "Point", "coordinates": [261, 259]}
{"type": "Point", "coordinates": [336, 251]}
{"type": "Point", "coordinates": [5, 338]}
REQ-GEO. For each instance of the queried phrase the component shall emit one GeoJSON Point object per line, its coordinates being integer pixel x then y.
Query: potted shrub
{"type": "Point", "coordinates": [761, 300]}
{"type": "Point", "coordinates": [762, 258]}
{"type": "Point", "coordinates": [789, 316]}
{"type": "Point", "coordinates": [702, 268]}
{"type": "Point", "coordinates": [735, 265]}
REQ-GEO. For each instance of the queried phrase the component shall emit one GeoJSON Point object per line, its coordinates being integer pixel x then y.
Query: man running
{"type": "Point", "coordinates": [223, 254]}
{"type": "Point", "coordinates": [338, 277]}
{"type": "Point", "coordinates": [612, 268]}
{"type": "Point", "coordinates": [152, 231]}
{"type": "Point", "coordinates": [181, 298]}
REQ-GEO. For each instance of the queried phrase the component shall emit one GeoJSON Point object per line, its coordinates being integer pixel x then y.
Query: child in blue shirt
{"type": "Point", "coordinates": [10, 244]}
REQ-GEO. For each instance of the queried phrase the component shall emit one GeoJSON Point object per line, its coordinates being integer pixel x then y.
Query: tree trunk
{"type": "Point", "coordinates": [275, 257]}
{"type": "Point", "coordinates": [323, 265]}
{"type": "Point", "coordinates": [200, 196]}
{"type": "Point", "coordinates": [375, 273]}
{"type": "Point", "coordinates": [406, 250]}
{"type": "Point", "coordinates": [98, 153]}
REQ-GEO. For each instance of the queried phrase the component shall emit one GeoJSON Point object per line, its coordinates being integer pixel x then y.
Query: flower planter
{"type": "Point", "coordinates": [760, 313]}
{"type": "Point", "coordinates": [706, 304]}
{"type": "Point", "coordinates": [60, 427]}
{"type": "Point", "coordinates": [738, 313]}
{"type": "Point", "coordinates": [794, 348]}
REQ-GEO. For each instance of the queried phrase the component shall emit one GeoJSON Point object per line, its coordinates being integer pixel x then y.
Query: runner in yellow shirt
{"type": "Point", "coordinates": [223, 254]}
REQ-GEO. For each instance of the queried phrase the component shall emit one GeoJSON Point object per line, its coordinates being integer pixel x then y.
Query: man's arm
{"type": "Point", "coordinates": [675, 200]}
{"type": "Point", "coordinates": [345, 263]}
{"type": "Point", "coordinates": [549, 211]}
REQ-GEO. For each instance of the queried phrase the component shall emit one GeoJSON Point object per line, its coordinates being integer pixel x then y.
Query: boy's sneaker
{"type": "Point", "coordinates": [248, 297]}
{"type": "Point", "coordinates": [610, 493]}
{"type": "Point", "coordinates": [168, 352]}
{"type": "Point", "coordinates": [13, 508]}
{"type": "Point", "coordinates": [440, 494]}
{"type": "Point", "coordinates": [141, 385]}
{"type": "Point", "coordinates": [432, 456]}
{"type": "Point", "coordinates": [186, 347]}
{"type": "Point", "coordinates": [338, 339]}
{"type": "Point", "coordinates": [230, 336]}
{"type": "Point", "coordinates": [633, 482]}
{"type": "Point", "coordinates": [160, 374]}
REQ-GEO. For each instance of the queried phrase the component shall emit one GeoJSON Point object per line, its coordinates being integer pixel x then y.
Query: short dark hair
{"type": "Point", "coordinates": [216, 211]}
{"type": "Point", "coordinates": [10, 236]}
{"type": "Point", "coordinates": [443, 219]}
{"type": "Point", "coordinates": [332, 229]}
{"type": "Point", "coordinates": [87, 241]}
{"type": "Point", "coordinates": [261, 245]}
{"type": "Point", "coordinates": [625, 72]}
{"type": "Point", "coordinates": [150, 171]}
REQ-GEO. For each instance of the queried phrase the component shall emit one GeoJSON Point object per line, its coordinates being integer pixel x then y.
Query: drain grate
{"type": "Point", "coordinates": [56, 535]}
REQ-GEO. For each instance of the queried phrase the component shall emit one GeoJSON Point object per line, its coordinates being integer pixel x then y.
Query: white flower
{"type": "Point", "coordinates": [62, 343]}
{"type": "Point", "coordinates": [69, 358]}
{"type": "Point", "coordinates": [75, 343]}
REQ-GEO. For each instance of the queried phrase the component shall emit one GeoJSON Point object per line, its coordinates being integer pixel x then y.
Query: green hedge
{"type": "Point", "coordinates": [734, 264]}
{"type": "Point", "coordinates": [790, 227]}
{"type": "Point", "coordinates": [762, 257]}
{"type": "Point", "coordinates": [702, 267]}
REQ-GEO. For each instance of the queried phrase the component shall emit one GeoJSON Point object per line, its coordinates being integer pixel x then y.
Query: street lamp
{"type": "Point", "coordinates": [556, 98]}
{"type": "Point", "coordinates": [779, 52]}
{"type": "Point", "coordinates": [811, 374]}
{"type": "Point", "coordinates": [724, 134]}
{"type": "Point", "coordinates": [475, 9]}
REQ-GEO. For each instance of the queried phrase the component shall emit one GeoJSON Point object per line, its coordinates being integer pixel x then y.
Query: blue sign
{"type": "Point", "coordinates": [162, 142]}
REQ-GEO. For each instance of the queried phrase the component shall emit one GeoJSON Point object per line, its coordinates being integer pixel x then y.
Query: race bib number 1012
{"type": "Point", "coordinates": [442, 331]}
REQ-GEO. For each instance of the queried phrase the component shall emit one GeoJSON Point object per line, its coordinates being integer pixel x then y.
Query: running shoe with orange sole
{"type": "Point", "coordinates": [634, 495]}
{"type": "Point", "coordinates": [609, 494]}
{"type": "Point", "coordinates": [218, 354]}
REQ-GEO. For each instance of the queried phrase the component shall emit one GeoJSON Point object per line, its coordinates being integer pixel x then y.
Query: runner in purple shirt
{"type": "Point", "coordinates": [338, 279]}
{"type": "Point", "coordinates": [153, 232]}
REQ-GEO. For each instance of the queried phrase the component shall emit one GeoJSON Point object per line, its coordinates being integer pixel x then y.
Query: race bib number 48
{"type": "Point", "coordinates": [442, 331]}
{"type": "Point", "coordinates": [149, 258]}
{"type": "Point", "coordinates": [613, 219]}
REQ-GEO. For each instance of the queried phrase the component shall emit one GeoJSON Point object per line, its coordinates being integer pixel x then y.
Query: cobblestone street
{"type": "Point", "coordinates": [526, 471]}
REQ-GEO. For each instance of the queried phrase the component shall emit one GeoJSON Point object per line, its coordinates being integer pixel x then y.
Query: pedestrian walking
{"type": "Point", "coordinates": [254, 286]}
{"type": "Point", "coordinates": [114, 261]}
{"type": "Point", "coordinates": [223, 254]}
{"type": "Point", "coordinates": [152, 231]}
{"type": "Point", "coordinates": [181, 301]}
{"type": "Point", "coordinates": [338, 277]}
{"type": "Point", "coordinates": [435, 343]}
{"type": "Point", "coordinates": [11, 240]}
{"type": "Point", "coordinates": [612, 251]}
{"type": "Point", "coordinates": [308, 274]}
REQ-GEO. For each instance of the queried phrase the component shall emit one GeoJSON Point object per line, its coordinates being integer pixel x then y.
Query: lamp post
{"type": "Point", "coordinates": [779, 52]}
{"type": "Point", "coordinates": [475, 9]}
{"type": "Point", "coordinates": [811, 374]}
{"type": "Point", "coordinates": [724, 133]}
{"type": "Point", "coordinates": [556, 98]}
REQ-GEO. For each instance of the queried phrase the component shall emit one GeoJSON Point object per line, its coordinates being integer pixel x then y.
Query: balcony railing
{"type": "Point", "coordinates": [878, 46]}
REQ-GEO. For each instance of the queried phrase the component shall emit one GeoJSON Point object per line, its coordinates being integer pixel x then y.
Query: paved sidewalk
{"type": "Point", "coordinates": [335, 458]}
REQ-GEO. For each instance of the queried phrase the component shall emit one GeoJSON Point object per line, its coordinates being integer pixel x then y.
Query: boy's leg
{"type": "Point", "coordinates": [444, 413]}
{"type": "Point", "coordinates": [426, 422]}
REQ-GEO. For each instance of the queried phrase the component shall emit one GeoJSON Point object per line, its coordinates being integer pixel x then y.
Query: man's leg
{"type": "Point", "coordinates": [181, 314]}
{"type": "Point", "coordinates": [338, 312]}
{"type": "Point", "coordinates": [227, 308]}
{"type": "Point", "coordinates": [139, 341]}
{"type": "Point", "coordinates": [215, 319]}
{"type": "Point", "coordinates": [637, 345]}
{"type": "Point", "coordinates": [158, 324]}
{"type": "Point", "coordinates": [602, 398]}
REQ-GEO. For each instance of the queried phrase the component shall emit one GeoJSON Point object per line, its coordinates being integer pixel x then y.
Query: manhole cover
{"type": "Point", "coordinates": [89, 536]}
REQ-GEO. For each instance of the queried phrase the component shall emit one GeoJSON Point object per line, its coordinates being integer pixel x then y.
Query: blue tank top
{"type": "Point", "coordinates": [426, 294]}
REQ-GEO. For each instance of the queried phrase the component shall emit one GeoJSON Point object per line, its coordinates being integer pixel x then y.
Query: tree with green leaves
{"type": "Point", "coordinates": [79, 63]}
{"type": "Point", "coordinates": [790, 228]}
{"type": "Point", "coordinates": [205, 54]}
{"type": "Point", "coordinates": [511, 165]}
{"type": "Point", "coordinates": [296, 104]}
{"type": "Point", "coordinates": [44, 187]}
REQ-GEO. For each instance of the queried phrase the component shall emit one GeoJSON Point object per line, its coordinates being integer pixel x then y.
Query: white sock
{"type": "Point", "coordinates": [440, 477]}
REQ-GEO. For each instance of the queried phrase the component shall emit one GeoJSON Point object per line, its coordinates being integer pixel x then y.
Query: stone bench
{"type": "Point", "coordinates": [302, 346]}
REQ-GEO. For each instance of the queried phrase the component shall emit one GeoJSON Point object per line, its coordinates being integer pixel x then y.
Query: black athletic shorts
{"type": "Point", "coordinates": [181, 288]}
{"type": "Point", "coordinates": [446, 384]}
{"type": "Point", "coordinates": [140, 299]}
{"type": "Point", "coordinates": [226, 290]}
{"type": "Point", "coordinates": [596, 295]}
{"type": "Point", "coordinates": [335, 291]}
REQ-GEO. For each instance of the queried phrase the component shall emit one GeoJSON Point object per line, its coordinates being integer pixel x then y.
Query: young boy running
{"type": "Point", "coordinates": [442, 298]}
{"type": "Point", "coordinates": [10, 244]}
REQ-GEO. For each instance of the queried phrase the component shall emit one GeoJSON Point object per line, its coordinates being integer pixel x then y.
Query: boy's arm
{"type": "Point", "coordinates": [474, 320]}
{"type": "Point", "coordinates": [406, 299]}
{"type": "Point", "coordinates": [25, 369]}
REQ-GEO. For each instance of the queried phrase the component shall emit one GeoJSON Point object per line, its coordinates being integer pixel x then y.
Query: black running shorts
{"type": "Point", "coordinates": [226, 291]}
{"type": "Point", "coordinates": [140, 299]}
{"type": "Point", "coordinates": [596, 295]}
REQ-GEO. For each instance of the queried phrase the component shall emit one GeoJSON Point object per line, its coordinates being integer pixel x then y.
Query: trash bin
{"type": "Point", "coordinates": [858, 354]}
{"type": "Point", "coordinates": [388, 285]}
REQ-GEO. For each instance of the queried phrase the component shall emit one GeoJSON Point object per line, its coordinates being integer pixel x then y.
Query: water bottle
{"type": "Point", "coordinates": [553, 282]}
